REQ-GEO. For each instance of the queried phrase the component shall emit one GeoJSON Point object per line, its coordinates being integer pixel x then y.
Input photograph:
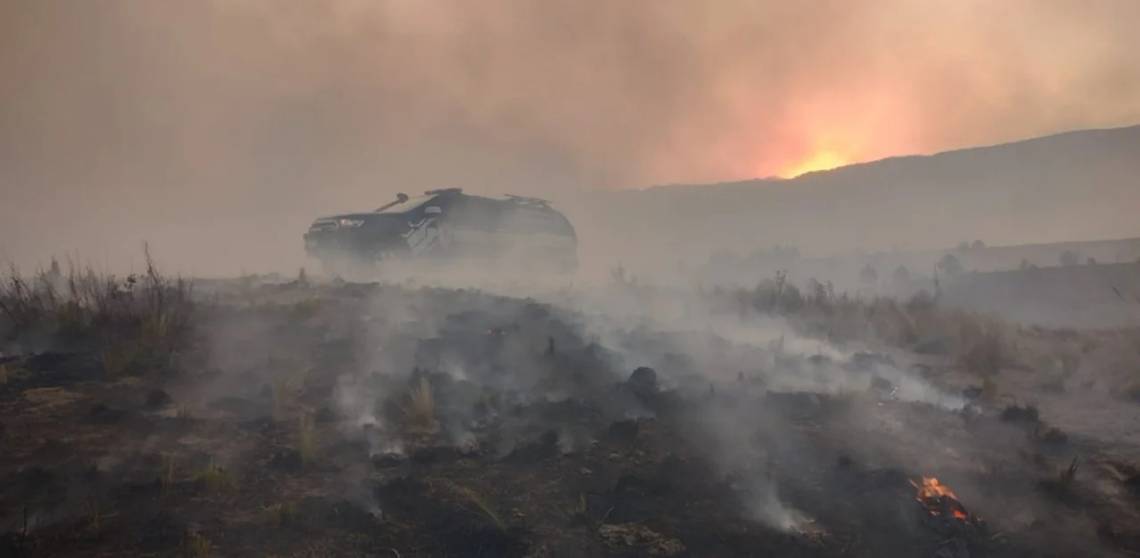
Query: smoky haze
{"type": "Point", "coordinates": [217, 130]}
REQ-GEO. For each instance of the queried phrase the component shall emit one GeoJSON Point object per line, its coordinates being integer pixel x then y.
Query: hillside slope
{"type": "Point", "coordinates": [1071, 186]}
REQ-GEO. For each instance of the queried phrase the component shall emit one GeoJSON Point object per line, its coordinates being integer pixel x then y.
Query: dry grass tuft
{"type": "Point", "coordinates": [286, 390]}
{"type": "Point", "coordinates": [215, 479]}
{"type": "Point", "coordinates": [119, 359]}
{"type": "Point", "coordinates": [282, 394]}
{"type": "Point", "coordinates": [481, 504]}
{"type": "Point", "coordinates": [281, 514]}
{"type": "Point", "coordinates": [581, 509]}
{"type": "Point", "coordinates": [196, 545]}
{"type": "Point", "coordinates": [1064, 485]}
{"type": "Point", "coordinates": [985, 348]}
{"type": "Point", "coordinates": [1069, 474]}
{"type": "Point", "coordinates": [96, 516]}
{"type": "Point", "coordinates": [420, 409]}
{"type": "Point", "coordinates": [166, 474]}
{"type": "Point", "coordinates": [981, 344]}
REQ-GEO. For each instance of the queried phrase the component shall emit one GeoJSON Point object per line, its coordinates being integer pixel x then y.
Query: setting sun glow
{"type": "Point", "coordinates": [818, 161]}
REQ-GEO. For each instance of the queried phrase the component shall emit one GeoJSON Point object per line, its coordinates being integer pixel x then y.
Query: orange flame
{"type": "Point", "coordinates": [931, 494]}
{"type": "Point", "coordinates": [932, 489]}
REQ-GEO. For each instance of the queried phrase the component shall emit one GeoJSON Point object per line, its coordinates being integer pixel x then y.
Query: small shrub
{"type": "Point", "coordinates": [777, 295]}
{"type": "Point", "coordinates": [1050, 435]}
{"type": "Point", "coordinates": [1069, 258]}
{"type": "Point", "coordinates": [986, 352]}
{"type": "Point", "coordinates": [950, 265]}
{"type": "Point", "coordinates": [1018, 413]}
{"type": "Point", "coordinates": [307, 308]}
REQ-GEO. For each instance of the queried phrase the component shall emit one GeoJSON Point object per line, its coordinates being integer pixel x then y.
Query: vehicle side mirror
{"type": "Point", "coordinates": [432, 210]}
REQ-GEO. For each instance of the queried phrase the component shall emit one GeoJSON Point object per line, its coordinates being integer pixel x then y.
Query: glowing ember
{"type": "Point", "coordinates": [938, 499]}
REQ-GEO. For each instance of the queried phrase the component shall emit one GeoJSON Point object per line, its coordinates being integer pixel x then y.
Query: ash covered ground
{"type": "Point", "coordinates": [145, 416]}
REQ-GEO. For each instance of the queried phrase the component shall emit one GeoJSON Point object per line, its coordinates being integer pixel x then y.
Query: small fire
{"type": "Point", "coordinates": [821, 160]}
{"type": "Point", "coordinates": [938, 499]}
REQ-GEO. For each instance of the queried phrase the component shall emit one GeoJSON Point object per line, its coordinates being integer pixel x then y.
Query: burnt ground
{"type": "Point", "coordinates": [370, 420]}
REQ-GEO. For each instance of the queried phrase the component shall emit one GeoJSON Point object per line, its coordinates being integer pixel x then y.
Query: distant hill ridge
{"type": "Point", "coordinates": [1070, 186]}
{"type": "Point", "coordinates": [1070, 139]}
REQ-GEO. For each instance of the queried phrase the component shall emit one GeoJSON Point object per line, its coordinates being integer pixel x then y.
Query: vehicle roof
{"type": "Point", "coordinates": [417, 201]}
{"type": "Point", "coordinates": [409, 205]}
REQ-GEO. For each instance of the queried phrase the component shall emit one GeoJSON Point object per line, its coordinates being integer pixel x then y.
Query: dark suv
{"type": "Point", "coordinates": [448, 225]}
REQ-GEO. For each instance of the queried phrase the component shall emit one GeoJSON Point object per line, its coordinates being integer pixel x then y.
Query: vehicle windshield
{"type": "Point", "coordinates": [409, 205]}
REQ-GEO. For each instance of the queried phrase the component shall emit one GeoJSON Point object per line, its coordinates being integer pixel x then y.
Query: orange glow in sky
{"type": "Point", "coordinates": [823, 159]}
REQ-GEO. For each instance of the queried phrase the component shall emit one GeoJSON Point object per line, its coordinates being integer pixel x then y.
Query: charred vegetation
{"type": "Point", "coordinates": [336, 418]}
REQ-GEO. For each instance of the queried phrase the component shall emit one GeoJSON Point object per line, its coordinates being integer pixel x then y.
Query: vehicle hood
{"type": "Point", "coordinates": [362, 216]}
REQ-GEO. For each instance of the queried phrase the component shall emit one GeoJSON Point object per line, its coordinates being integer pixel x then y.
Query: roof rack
{"type": "Point", "coordinates": [525, 200]}
{"type": "Point", "coordinates": [400, 198]}
{"type": "Point", "coordinates": [443, 191]}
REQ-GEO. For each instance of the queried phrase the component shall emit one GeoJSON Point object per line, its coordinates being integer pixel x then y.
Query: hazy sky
{"type": "Point", "coordinates": [120, 117]}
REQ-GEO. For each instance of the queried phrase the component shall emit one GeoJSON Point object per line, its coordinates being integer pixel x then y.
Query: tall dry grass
{"type": "Point", "coordinates": [980, 343]}
{"type": "Point", "coordinates": [419, 410]}
{"type": "Point", "coordinates": [128, 321]}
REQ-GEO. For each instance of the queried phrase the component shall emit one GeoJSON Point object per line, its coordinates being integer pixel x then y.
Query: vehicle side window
{"type": "Point", "coordinates": [474, 213]}
{"type": "Point", "coordinates": [419, 212]}
{"type": "Point", "coordinates": [531, 221]}
{"type": "Point", "coordinates": [524, 221]}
